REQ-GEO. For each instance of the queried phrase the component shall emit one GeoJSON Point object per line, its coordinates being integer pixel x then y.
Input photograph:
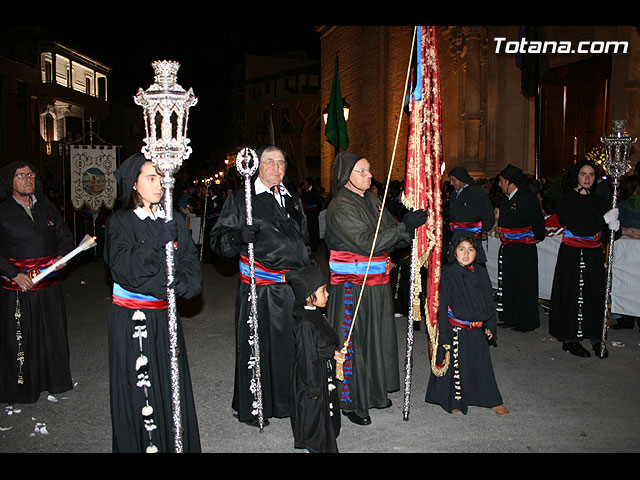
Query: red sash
{"type": "Point", "coordinates": [572, 240]}
{"type": "Point", "coordinates": [32, 267]}
{"type": "Point", "coordinates": [351, 267]}
{"type": "Point", "coordinates": [264, 275]}
{"type": "Point", "coordinates": [517, 235]}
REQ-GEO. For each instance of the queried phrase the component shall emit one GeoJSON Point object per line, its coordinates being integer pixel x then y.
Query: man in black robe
{"type": "Point", "coordinates": [521, 225]}
{"type": "Point", "coordinates": [371, 367]}
{"type": "Point", "coordinates": [34, 348]}
{"type": "Point", "coordinates": [279, 236]}
{"type": "Point", "coordinates": [469, 207]}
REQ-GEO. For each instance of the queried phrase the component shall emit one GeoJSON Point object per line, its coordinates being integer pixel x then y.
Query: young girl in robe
{"type": "Point", "coordinates": [139, 364]}
{"type": "Point", "coordinates": [467, 321]}
{"type": "Point", "coordinates": [314, 403]}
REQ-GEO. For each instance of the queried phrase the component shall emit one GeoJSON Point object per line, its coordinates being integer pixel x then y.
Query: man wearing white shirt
{"type": "Point", "coordinates": [280, 242]}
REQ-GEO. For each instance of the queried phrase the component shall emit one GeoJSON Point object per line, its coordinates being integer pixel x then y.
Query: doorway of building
{"type": "Point", "coordinates": [573, 112]}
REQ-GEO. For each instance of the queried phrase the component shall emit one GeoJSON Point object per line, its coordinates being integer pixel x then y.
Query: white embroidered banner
{"type": "Point", "coordinates": [92, 179]}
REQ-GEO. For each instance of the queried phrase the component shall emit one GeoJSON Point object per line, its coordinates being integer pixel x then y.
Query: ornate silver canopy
{"type": "Point", "coordinates": [166, 113]}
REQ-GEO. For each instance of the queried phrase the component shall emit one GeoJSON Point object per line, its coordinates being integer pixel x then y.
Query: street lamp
{"type": "Point", "coordinates": [345, 111]}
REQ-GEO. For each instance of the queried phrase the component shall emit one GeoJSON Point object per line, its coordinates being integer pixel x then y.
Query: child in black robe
{"type": "Point", "coordinates": [467, 320]}
{"type": "Point", "coordinates": [314, 403]}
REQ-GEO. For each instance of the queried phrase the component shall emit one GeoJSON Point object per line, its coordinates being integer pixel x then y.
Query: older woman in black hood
{"type": "Point", "coordinates": [352, 217]}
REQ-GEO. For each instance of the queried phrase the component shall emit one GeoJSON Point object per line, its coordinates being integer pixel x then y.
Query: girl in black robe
{"type": "Point", "coordinates": [578, 290]}
{"type": "Point", "coordinates": [139, 363]}
{"type": "Point", "coordinates": [315, 409]}
{"type": "Point", "coordinates": [467, 320]}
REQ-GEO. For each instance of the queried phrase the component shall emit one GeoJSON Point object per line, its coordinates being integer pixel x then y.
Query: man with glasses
{"type": "Point", "coordinates": [280, 241]}
{"type": "Point", "coordinates": [34, 349]}
{"type": "Point", "coordinates": [371, 368]}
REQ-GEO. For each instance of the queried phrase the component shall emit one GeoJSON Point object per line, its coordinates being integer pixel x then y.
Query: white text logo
{"type": "Point", "coordinates": [550, 46]}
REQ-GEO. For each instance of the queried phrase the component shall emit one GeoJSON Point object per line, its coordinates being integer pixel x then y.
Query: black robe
{"type": "Point", "coordinates": [315, 412]}
{"type": "Point", "coordinates": [312, 202]}
{"type": "Point", "coordinates": [281, 245]}
{"type": "Point", "coordinates": [139, 268]}
{"type": "Point", "coordinates": [469, 379]}
{"type": "Point", "coordinates": [583, 216]}
{"type": "Point", "coordinates": [519, 267]}
{"type": "Point", "coordinates": [351, 226]}
{"type": "Point", "coordinates": [43, 321]}
{"type": "Point", "coordinates": [472, 205]}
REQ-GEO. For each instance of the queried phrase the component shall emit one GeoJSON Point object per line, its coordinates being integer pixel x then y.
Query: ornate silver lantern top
{"type": "Point", "coordinates": [166, 112]}
{"type": "Point", "coordinates": [617, 149]}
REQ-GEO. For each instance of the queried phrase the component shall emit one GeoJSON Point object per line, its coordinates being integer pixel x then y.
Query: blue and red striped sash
{"type": "Point", "coordinates": [264, 275]}
{"type": "Point", "coordinates": [517, 235]}
{"type": "Point", "coordinates": [456, 322]}
{"type": "Point", "coordinates": [32, 266]}
{"type": "Point", "coordinates": [572, 240]}
{"type": "Point", "coordinates": [134, 300]}
{"type": "Point", "coordinates": [351, 267]}
{"type": "Point", "coordinates": [473, 227]}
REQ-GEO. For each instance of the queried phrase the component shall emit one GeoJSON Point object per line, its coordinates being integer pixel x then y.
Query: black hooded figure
{"type": "Point", "coordinates": [469, 207]}
{"type": "Point", "coordinates": [315, 412]}
{"type": "Point", "coordinates": [371, 366]}
{"type": "Point", "coordinates": [466, 318]}
{"type": "Point", "coordinates": [578, 290]}
{"type": "Point", "coordinates": [139, 363]}
{"type": "Point", "coordinates": [34, 348]}
{"type": "Point", "coordinates": [521, 226]}
{"type": "Point", "coordinates": [280, 243]}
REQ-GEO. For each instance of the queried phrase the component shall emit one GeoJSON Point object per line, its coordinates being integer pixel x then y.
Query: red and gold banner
{"type": "Point", "coordinates": [423, 181]}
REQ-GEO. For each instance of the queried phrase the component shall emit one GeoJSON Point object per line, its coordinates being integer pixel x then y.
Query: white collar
{"type": "Point", "coordinates": [510, 196]}
{"type": "Point", "coordinates": [307, 307]}
{"type": "Point", "coordinates": [142, 213]}
{"type": "Point", "coordinates": [34, 199]}
{"type": "Point", "coordinates": [261, 188]}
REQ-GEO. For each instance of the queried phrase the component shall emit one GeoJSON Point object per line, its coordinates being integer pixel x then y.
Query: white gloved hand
{"type": "Point", "coordinates": [611, 215]}
{"type": "Point", "coordinates": [614, 225]}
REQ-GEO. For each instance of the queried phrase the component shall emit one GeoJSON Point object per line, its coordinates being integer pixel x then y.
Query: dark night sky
{"type": "Point", "coordinates": [207, 55]}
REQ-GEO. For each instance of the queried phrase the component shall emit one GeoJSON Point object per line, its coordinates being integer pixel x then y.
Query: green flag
{"type": "Point", "coordinates": [336, 129]}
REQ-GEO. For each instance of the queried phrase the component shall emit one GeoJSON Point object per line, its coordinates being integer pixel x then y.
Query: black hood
{"type": "Point", "coordinates": [127, 174]}
{"type": "Point", "coordinates": [342, 166]}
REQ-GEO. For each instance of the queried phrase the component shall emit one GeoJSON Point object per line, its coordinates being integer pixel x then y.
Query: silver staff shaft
{"type": "Point", "coordinates": [247, 164]}
{"type": "Point", "coordinates": [204, 221]}
{"type": "Point", "coordinates": [617, 149]}
{"type": "Point", "coordinates": [168, 182]}
{"type": "Point", "coordinates": [410, 320]}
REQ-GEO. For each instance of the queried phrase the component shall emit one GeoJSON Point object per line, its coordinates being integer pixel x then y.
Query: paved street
{"type": "Point", "coordinates": [558, 402]}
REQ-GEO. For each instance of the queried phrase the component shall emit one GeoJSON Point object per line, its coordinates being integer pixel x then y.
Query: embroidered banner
{"type": "Point", "coordinates": [92, 181]}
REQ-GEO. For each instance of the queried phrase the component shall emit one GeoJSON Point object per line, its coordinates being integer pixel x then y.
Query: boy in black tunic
{"type": "Point", "coordinates": [315, 409]}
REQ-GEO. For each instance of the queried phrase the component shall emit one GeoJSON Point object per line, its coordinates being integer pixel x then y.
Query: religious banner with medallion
{"type": "Point", "coordinates": [92, 181]}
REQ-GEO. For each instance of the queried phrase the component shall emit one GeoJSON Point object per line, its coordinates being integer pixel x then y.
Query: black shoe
{"type": "Point", "coordinates": [596, 348]}
{"type": "Point", "coordinates": [356, 419]}
{"type": "Point", "coordinates": [623, 322]}
{"type": "Point", "coordinates": [574, 348]}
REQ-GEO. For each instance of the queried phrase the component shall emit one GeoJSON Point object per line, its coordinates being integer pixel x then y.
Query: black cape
{"type": "Point", "coordinates": [315, 412]}
{"type": "Point", "coordinates": [43, 321]}
{"type": "Point", "coordinates": [281, 245]}
{"type": "Point", "coordinates": [469, 379]}
{"type": "Point", "coordinates": [312, 202]}
{"type": "Point", "coordinates": [519, 268]}
{"type": "Point", "coordinates": [583, 216]}
{"type": "Point", "coordinates": [139, 268]}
